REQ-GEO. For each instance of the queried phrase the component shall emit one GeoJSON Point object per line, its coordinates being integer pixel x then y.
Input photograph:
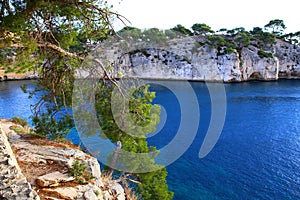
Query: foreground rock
{"type": "Point", "coordinates": [13, 184]}
{"type": "Point", "coordinates": [53, 179]}
{"type": "Point", "coordinates": [39, 170]}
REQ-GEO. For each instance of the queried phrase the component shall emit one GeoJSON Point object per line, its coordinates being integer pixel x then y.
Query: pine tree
{"type": "Point", "coordinates": [53, 38]}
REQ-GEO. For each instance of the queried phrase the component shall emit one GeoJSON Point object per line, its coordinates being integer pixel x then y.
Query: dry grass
{"type": "Point", "coordinates": [44, 142]}
{"type": "Point", "coordinates": [33, 170]}
{"type": "Point", "coordinates": [130, 194]}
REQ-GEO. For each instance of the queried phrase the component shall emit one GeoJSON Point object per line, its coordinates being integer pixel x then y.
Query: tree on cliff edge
{"type": "Point", "coordinates": [277, 26]}
{"type": "Point", "coordinates": [182, 30]}
{"type": "Point", "coordinates": [201, 29]}
{"type": "Point", "coordinates": [53, 38]}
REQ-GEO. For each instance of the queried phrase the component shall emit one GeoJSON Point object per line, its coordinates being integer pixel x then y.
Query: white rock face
{"type": "Point", "coordinates": [259, 68]}
{"type": "Point", "coordinates": [185, 59]}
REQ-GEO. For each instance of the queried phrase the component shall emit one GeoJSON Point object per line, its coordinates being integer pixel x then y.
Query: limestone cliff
{"type": "Point", "coordinates": [185, 59]}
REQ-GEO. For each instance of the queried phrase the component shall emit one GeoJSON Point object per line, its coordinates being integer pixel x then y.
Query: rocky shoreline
{"type": "Point", "coordinates": [17, 76]}
{"type": "Point", "coordinates": [32, 168]}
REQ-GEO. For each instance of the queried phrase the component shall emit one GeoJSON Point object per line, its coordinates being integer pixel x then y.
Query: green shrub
{"type": "Point", "coordinates": [22, 121]}
{"type": "Point", "coordinates": [17, 129]}
{"type": "Point", "coordinates": [78, 171]}
{"type": "Point", "coordinates": [219, 42]}
{"type": "Point", "coordinates": [264, 54]}
{"type": "Point", "coordinates": [229, 50]}
{"type": "Point", "coordinates": [97, 192]}
{"type": "Point", "coordinates": [51, 128]}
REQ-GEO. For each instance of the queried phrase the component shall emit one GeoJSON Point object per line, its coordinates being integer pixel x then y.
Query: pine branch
{"type": "Point", "coordinates": [46, 45]}
{"type": "Point", "coordinates": [60, 50]}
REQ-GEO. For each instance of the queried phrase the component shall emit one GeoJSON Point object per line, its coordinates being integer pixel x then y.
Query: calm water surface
{"type": "Point", "coordinates": [13, 101]}
{"type": "Point", "coordinates": [256, 157]}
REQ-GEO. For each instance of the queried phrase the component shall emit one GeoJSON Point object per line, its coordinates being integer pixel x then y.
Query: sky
{"type": "Point", "coordinates": [165, 14]}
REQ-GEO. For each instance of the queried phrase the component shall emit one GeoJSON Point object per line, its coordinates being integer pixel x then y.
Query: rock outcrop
{"type": "Point", "coordinates": [185, 59]}
{"type": "Point", "coordinates": [53, 179]}
{"type": "Point", "coordinates": [38, 169]}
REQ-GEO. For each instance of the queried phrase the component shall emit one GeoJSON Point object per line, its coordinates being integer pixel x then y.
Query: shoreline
{"type": "Point", "coordinates": [172, 79]}
{"type": "Point", "coordinates": [18, 79]}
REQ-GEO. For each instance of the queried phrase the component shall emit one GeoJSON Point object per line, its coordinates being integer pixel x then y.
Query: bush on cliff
{"type": "Point", "coordinates": [263, 54]}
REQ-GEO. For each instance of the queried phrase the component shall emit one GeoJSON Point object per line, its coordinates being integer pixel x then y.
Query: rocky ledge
{"type": "Point", "coordinates": [32, 168]}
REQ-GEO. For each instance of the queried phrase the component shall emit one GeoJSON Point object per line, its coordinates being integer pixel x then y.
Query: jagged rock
{"type": "Point", "coordinates": [68, 193]}
{"type": "Point", "coordinates": [86, 192]}
{"type": "Point", "coordinates": [117, 191]}
{"type": "Point", "coordinates": [53, 179]}
{"type": "Point", "coordinates": [90, 195]}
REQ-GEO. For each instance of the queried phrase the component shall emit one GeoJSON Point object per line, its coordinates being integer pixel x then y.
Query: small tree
{"type": "Point", "coordinates": [170, 34]}
{"type": "Point", "coordinates": [292, 38]}
{"type": "Point", "coordinates": [235, 31]}
{"type": "Point", "coordinates": [256, 31]}
{"type": "Point", "coordinates": [277, 26]}
{"type": "Point", "coordinates": [267, 38]}
{"type": "Point", "coordinates": [216, 41]}
{"type": "Point", "coordinates": [263, 37]}
{"type": "Point", "coordinates": [242, 40]}
{"type": "Point", "coordinates": [296, 37]}
{"type": "Point", "coordinates": [131, 33]}
{"type": "Point", "coordinates": [155, 35]}
{"type": "Point", "coordinates": [201, 29]}
{"type": "Point", "coordinates": [181, 29]}
{"type": "Point", "coordinates": [222, 31]}
{"type": "Point", "coordinates": [220, 43]}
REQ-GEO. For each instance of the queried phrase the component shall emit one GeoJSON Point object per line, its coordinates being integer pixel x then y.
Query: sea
{"type": "Point", "coordinates": [232, 141]}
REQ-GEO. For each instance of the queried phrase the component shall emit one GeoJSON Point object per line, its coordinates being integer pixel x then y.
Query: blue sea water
{"type": "Point", "coordinates": [256, 157]}
{"type": "Point", "coordinates": [13, 101]}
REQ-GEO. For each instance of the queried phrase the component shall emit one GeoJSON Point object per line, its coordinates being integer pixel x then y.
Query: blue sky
{"type": "Point", "coordinates": [218, 14]}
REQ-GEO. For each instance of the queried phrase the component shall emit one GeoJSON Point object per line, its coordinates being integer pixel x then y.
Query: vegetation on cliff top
{"type": "Point", "coordinates": [224, 40]}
